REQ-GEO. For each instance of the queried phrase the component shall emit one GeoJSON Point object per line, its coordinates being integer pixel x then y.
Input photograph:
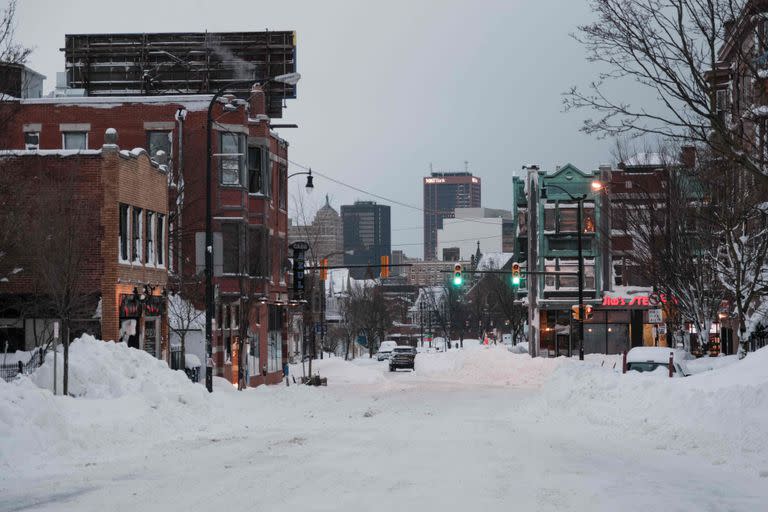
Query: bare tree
{"type": "Point", "coordinates": [13, 53]}
{"type": "Point", "coordinates": [674, 50]}
{"type": "Point", "coordinates": [183, 315]}
{"type": "Point", "coordinates": [56, 243]}
{"type": "Point", "coordinates": [368, 310]}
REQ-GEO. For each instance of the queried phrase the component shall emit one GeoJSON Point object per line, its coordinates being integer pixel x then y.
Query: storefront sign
{"type": "Point", "coordinates": [635, 300]}
{"type": "Point", "coordinates": [129, 306]}
{"type": "Point", "coordinates": [654, 316]}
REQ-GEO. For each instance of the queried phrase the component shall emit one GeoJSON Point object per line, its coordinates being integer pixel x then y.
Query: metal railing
{"type": "Point", "coordinates": [10, 371]}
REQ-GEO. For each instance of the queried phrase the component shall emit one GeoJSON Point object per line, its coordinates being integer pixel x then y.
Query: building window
{"type": "Point", "coordinates": [258, 253]}
{"type": "Point", "coordinates": [230, 234]}
{"type": "Point", "coordinates": [549, 219]}
{"type": "Point", "coordinates": [149, 245]}
{"type": "Point", "coordinates": [159, 141]}
{"type": "Point", "coordinates": [123, 240]}
{"type": "Point", "coordinates": [75, 140]}
{"type": "Point", "coordinates": [231, 158]}
{"type": "Point", "coordinates": [568, 220]}
{"type": "Point", "coordinates": [160, 239]}
{"type": "Point", "coordinates": [258, 170]}
{"type": "Point", "coordinates": [31, 140]}
{"type": "Point", "coordinates": [275, 340]}
{"type": "Point", "coordinates": [282, 177]}
{"type": "Point", "coordinates": [137, 226]}
{"type": "Point", "coordinates": [253, 353]}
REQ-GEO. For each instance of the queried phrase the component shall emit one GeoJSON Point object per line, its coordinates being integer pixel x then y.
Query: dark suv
{"type": "Point", "coordinates": [402, 357]}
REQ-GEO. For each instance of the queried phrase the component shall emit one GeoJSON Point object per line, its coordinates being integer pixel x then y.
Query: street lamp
{"type": "Point", "coordinates": [310, 186]}
{"type": "Point", "coordinates": [290, 79]}
{"type": "Point", "coordinates": [596, 185]}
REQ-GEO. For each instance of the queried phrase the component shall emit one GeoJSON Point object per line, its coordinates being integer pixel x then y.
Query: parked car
{"type": "Point", "coordinates": [385, 349]}
{"type": "Point", "coordinates": [402, 357]}
{"type": "Point", "coordinates": [648, 359]}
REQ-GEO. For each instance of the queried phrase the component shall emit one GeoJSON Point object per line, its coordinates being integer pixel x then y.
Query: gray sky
{"type": "Point", "coordinates": [388, 87]}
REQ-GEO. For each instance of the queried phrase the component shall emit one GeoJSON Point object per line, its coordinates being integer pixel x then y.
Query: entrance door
{"type": "Point", "coordinates": [152, 335]}
{"type": "Point", "coordinates": [636, 328]}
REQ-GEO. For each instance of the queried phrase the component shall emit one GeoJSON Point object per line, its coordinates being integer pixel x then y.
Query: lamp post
{"type": "Point", "coordinates": [580, 229]}
{"type": "Point", "coordinates": [291, 78]}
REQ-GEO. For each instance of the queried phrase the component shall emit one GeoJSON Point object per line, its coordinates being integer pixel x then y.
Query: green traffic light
{"type": "Point", "coordinates": [457, 281]}
{"type": "Point", "coordinates": [516, 280]}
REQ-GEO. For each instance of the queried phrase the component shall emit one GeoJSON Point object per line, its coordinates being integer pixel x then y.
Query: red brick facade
{"type": "Point", "coordinates": [258, 221]}
{"type": "Point", "coordinates": [98, 182]}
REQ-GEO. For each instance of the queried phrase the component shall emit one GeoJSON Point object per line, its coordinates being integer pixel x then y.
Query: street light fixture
{"type": "Point", "coordinates": [231, 106]}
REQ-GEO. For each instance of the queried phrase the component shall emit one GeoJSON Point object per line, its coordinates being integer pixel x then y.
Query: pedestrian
{"type": "Point", "coordinates": [285, 373]}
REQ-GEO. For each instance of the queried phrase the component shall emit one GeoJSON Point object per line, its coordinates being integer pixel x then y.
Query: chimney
{"type": "Point", "coordinates": [688, 156]}
{"type": "Point", "coordinates": [258, 102]}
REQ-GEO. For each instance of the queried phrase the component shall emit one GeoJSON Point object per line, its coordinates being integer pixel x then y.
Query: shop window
{"type": "Point", "coordinates": [253, 353]}
{"type": "Point", "coordinates": [75, 140]}
{"type": "Point", "coordinates": [231, 158]}
{"type": "Point", "coordinates": [258, 170]}
{"type": "Point", "coordinates": [149, 243]}
{"type": "Point", "coordinates": [230, 233]}
{"type": "Point", "coordinates": [137, 227]}
{"type": "Point", "coordinates": [123, 240]}
{"type": "Point", "coordinates": [235, 316]}
{"type": "Point", "coordinates": [159, 141]}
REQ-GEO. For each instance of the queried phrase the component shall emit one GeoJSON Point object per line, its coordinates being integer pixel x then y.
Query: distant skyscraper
{"type": "Point", "coordinates": [443, 193]}
{"type": "Point", "coordinates": [367, 232]}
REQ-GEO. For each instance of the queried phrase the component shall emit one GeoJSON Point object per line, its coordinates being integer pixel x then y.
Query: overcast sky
{"type": "Point", "coordinates": [389, 87]}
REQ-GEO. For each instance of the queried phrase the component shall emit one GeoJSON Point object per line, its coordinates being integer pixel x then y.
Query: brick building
{"type": "Point", "coordinates": [249, 196]}
{"type": "Point", "coordinates": [111, 206]}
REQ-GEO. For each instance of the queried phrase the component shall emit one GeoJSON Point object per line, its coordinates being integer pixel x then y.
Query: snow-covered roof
{"type": "Point", "coordinates": [644, 159]}
{"type": "Point", "coordinates": [49, 152]}
{"type": "Point", "coordinates": [191, 102]}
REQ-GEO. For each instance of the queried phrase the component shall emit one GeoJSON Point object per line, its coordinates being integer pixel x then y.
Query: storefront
{"type": "Point", "coordinates": [141, 321]}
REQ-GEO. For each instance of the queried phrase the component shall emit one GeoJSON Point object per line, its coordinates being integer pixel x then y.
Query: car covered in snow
{"type": "Point", "coordinates": [648, 359]}
{"type": "Point", "coordinates": [402, 356]}
{"type": "Point", "coordinates": [385, 349]}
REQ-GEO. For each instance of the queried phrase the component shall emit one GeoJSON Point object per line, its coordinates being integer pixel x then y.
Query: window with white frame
{"type": "Point", "coordinates": [231, 159]}
{"type": "Point", "coordinates": [124, 236]}
{"type": "Point", "coordinates": [137, 228]}
{"type": "Point", "coordinates": [149, 243]}
{"type": "Point", "coordinates": [74, 140]}
{"type": "Point", "coordinates": [160, 239]}
{"type": "Point", "coordinates": [274, 351]}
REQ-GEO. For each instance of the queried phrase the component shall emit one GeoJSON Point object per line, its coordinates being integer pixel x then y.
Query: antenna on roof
{"type": "Point", "coordinates": [466, 165]}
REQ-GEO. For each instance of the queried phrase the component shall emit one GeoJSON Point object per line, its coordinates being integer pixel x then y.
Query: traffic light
{"type": "Point", "coordinates": [384, 267]}
{"type": "Point", "coordinates": [588, 312]}
{"type": "Point", "coordinates": [575, 312]}
{"type": "Point", "coordinates": [457, 277]}
{"type": "Point", "coordinates": [515, 274]}
{"type": "Point", "coordinates": [323, 269]}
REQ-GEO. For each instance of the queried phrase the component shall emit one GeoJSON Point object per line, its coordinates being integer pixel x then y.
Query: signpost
{"type": "Point", "coordinates": [654, 316]}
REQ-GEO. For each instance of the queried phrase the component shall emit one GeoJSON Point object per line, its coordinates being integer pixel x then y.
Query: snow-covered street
{"type": "Point", "coordinates": [479, 429]}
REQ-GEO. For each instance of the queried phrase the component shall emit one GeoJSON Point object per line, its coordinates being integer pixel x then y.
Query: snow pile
{"type": "Point", "coordinates": [486, 366]}
{"type": "Point", "coordinates": [99, 369]}
{"type": "Point", "coordinates": [124, 395]}
{"type": "Point", "coordinates": [723, 412]}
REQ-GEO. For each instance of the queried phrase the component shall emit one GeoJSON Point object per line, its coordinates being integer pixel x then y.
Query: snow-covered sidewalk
{"type": "Point", "coordinates": [479, 428]}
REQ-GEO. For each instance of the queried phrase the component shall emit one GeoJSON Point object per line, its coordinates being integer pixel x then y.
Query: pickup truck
{"type": "Point", "coordinates": [402, 357]}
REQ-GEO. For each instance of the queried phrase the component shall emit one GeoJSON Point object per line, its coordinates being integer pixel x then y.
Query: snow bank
{"type": "Point", "coordinates": [99, 369]}
{"type": "Point", "coordinates": [123, 394]}
{"type": "Point", "coordinates": [723, 412]}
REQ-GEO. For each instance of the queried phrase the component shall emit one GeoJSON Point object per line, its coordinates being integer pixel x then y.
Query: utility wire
{"type": "Point", "coordinates": [383, 198]}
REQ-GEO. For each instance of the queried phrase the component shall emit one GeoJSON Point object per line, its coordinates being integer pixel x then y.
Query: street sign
{"type": "Point", "coordinates": [661, 329]}
{"type": "Point", "coordinates": [654, 316]}
{"type": "Point", "coordinates": [300, 246]}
